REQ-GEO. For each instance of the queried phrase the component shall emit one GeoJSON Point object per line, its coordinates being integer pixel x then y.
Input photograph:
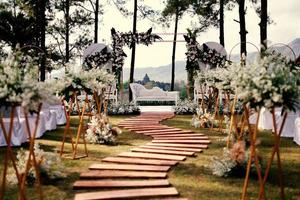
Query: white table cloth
{"type": "Point", "coordinates": [289, 126]}
{"type": "Point", "coordinates": [18, 136]}
{"type": "Point", "coordinates": [60, 114]}
{"type": "Point", "coordinates": [50, 117]}
{"type": "Point", "coordinates": [41, 128]}
{"type": "Point", "coordinates": [297, 131]}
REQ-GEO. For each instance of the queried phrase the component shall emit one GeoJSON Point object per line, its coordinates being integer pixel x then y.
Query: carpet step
{"type": "Point", "coordinates": [171, 132]}
{"type": "Point", "coordinates": [161, 151]}
{"type": "Point", "coordinates": [160, 130]}
{"type": "Point", "coordinates": [152, 155]}
{"type": "Point", "coordinates": [179, 135]}
{"type": "Point", "coordinates": [128, 194]}
{"type": "Point", "coordinates": [140, 161]}
{"type": "Point", "coordinates": [182, 141]}
{"type": "Point", "coordinates": [91, 184]}
{"type": "Point", "coordinates": [201, 146]}
{"type": "Point", "coordinates": [129, 167]}
{"type": "Point", "coordinates": [182, 138]}
{"type": "Point", "coordinates": [173, 148]}
{"type": "Point", "coordinates": [121, 174]}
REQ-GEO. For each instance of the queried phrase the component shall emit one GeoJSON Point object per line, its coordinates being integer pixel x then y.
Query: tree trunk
{"type": "Point", "coordinates": [67, 34]}
{"type": "Point", "coordinates": [174, 50]}
{"type": "Point", "coordinates": [263, 24]}
{"type": "Point", "coordinates": [133, 49]}
{"type": "Point", "coordinates": [43, 38]}
{"type": "Point", "coordinates": [222, 42]}
{"type": "Point", "coordinates": [243, 31]}
{"type": "Point", "coordinates": [96, 21]}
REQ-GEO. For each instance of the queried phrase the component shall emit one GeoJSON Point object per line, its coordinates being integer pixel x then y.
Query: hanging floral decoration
{"type": "Point", "coordinates": [128, 39]}
{"type": "Point", "coordinates": [97, 59]}
{"type": "Point", "coordinates": [196, 54]}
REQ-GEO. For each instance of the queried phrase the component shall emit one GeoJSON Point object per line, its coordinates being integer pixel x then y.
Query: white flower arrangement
{"type": "Point", "coordinates": [100, 131]}
{"type": "Point", "coordinates": [122, 108]}
{"type": "Point", "coordinates": [269, 83]}
{"type": "Point", "coordinates": [185, 107]}
{"type": "Point", "coordinates": [50, 166]}
{"type": "Point", "coordinates": [19, 83]}
{"type": "Point", "coordinates": [202, 119]}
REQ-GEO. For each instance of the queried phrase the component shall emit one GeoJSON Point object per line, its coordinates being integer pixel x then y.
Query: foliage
{"type": "Point", "coordinates": [97, 59]}
{"type": "Point", "coordinates": [202, 119]}
{"type": "Point", "coordinates": [123, 108]}
{"type": "Point", "coordinates": [16, 26]}
{"type": "Point", "coordinates": [184, 107]}
{"type": "Point", "coordinates": [100, 131]}
{"type": "Point", "coordinates": [50, 166]}
{"type": "Point", "coordinates": [64, 28]}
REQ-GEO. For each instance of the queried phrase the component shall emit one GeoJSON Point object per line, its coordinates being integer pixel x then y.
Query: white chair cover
{"type": "Point", "coordinates": [289, 126]}
{"type": "Point", "coordinates": [265, 120]}
{"type": "Point", "coordinates": [41, 129]}
{"type": "Point", "coordinates": [18, 134]}
{"type": "Point", "coordinates": [59, 113]}
{"type": "Point", "coordinates": [297, 131]}
{"type": "Point", "coordinates": [50, 117]}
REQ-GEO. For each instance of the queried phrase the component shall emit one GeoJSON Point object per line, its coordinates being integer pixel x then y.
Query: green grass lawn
{"type": "Point", "coordinates": [192, 178]}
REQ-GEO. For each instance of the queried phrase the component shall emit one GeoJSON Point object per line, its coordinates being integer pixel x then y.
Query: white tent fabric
{"type": "Point", "coordinates": [94, 48]}
{"type": "Point", "coordinates": [216, 46]}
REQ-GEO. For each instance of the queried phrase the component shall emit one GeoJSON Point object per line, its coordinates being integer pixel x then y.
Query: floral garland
{"type": "Point", "coordinates": [128, 39]}
{"type": "Point", "coordinates": [19, 83]}
{"type": "Point", "coordinates": [123, 109]}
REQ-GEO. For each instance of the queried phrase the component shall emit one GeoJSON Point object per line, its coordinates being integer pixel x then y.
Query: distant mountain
{"type": "Point", "coordinates": [161, 74]}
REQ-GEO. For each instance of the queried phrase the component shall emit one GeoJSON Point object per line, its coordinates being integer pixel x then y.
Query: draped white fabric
{"type": "Point", "coordinates": [50, 117]}
{"type": "Point", "coordinates": [297, 131]}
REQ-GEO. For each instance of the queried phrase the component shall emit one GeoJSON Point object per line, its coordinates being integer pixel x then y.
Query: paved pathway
{"type": "Point", "coordinates": [142, 172]}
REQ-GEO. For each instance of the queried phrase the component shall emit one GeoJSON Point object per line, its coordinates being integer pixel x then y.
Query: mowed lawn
{"type": "Point", "coordinates": [192, 178]}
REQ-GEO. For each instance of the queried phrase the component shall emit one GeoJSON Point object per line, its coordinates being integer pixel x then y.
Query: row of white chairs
{"type": "Point", "coordinates": [50, 117]}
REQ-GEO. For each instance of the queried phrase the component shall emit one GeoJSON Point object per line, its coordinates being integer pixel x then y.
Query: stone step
{"type": "Point", "coordinates": [182, 141]}
{"type": "Point", "coordinates": [152, 155]}
{"type": "Point", "coordinates": [129, 167]}
{"type": "Point", "coordinates": [128, 194]}
{"type": "Point", "coordinates": [201, 146]}
{"type": "Point", "coordinates": [140, 161]}
{"type": "Point", "coordinates": [161, 151]}
{"type": "Point", "coordinates": [99, 174]}
{"type": "Point", "coordinates": [173, 148]}
{"type": "Point", "coordinates": [91, 184]}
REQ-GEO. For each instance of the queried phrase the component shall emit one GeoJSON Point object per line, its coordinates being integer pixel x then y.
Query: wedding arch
{"type": "Point", "coordinates": [116, 55]}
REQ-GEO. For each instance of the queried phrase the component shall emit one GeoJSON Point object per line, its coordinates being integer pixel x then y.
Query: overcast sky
{"type": "Point", "coordinates": [286, 27]}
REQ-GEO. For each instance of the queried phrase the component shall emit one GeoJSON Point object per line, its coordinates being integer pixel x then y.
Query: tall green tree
{"type": "Point", "coordinates": [263, 24]}
{"type": "Point", "coordinates": [16, 25]}
{"type": "Point", "coordinates": [174, 9]}
{"type": "Point", "coordinates": [70, 30]}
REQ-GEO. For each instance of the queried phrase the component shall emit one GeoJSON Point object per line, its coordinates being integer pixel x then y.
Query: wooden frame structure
{"type": "Point", "coordinates": [9, 156]}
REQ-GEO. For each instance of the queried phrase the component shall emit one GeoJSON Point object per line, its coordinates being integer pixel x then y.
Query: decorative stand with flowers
{"type": "Point", "coordinates": [19, 80]}
{"type": "Point", "coordinates": [92, 82]}
{"type": "Point", "coordinates": [272, 83]}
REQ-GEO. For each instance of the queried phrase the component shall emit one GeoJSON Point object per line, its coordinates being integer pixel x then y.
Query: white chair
{"type": "Point", "coordinates": [289, 126]}
{"type": "Point", "coordinates": [50, 117]}
{"type": "Point", "coordinates": [111, 93]}
{"type": "Point", "coordinates": [19, 135]}
{"type": "Point", "coordinates": [41, 128]}
{"type": "Point", "coordinates": [200, 91]}
{"type": "Point", "coordinates": [59, 113]}
{"type": "Point", "coordinates": [140, 93]}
